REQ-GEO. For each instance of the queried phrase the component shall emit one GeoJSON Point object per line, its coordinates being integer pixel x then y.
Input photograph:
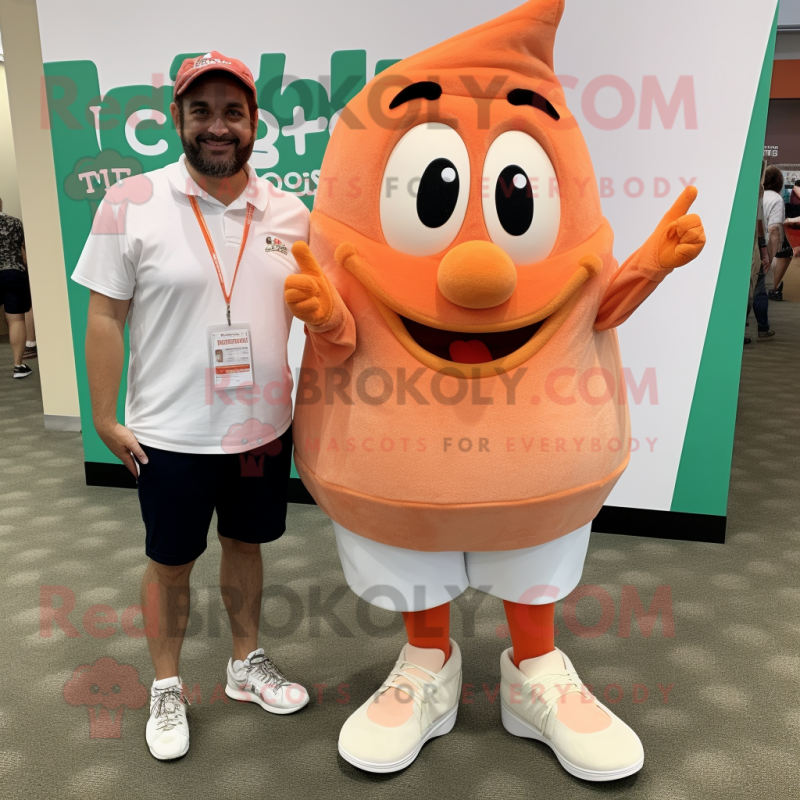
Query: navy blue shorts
{"type": "Point", "coordinates": [15, 291]}
{"type": "Point", "coordinates": [178, 493]}
{"type": "Point", "coordinates": [786, 251]}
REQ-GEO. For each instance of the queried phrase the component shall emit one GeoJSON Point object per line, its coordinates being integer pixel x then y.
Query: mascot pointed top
{"type": "Point", "coordinates": [519, 41]}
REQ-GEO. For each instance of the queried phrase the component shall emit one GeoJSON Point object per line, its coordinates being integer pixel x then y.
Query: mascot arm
{"type": "Point", "coordinates": [336, 345]}
{"type": "Point", "coordinates": [313, 299]}
{"type": "Point", "coordinates": [676, 241]}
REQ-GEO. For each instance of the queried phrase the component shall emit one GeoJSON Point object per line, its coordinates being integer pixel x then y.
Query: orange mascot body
{"type": "Point", "coordinates": [462, 388]}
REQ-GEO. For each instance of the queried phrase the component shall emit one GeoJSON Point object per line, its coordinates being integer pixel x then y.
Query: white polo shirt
{"type": "Point", "coordinates": [146, 245]}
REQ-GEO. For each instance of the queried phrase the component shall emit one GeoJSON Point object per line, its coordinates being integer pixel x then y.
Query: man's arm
{"type": "Point", "coordinates": [105, 353]}
{"type": "Point", "coordinates": [774, 241]}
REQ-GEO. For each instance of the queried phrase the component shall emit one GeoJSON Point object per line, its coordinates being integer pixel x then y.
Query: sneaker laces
{"type": "Point", "coordinates": [264, 667]}
{"type": "Point", "coordinates": [550, 688]}
{"type": "Point", "coordinates": [417, 688]}
{"type": "Point", "coordinates": [168, 707]}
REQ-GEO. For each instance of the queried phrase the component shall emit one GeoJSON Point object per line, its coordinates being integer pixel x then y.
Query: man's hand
{"type": "Point", "coordinates": [121, 442]}
{"type": "Point", "coordinates": [310, 295]}
{"type": "Point", "coordinates": [680, 235]}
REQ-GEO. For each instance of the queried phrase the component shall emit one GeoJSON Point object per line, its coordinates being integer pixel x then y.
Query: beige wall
{"type": "Point", "coordinates": [39, 208]}
{"type": "Point", "coordinates": [9, 190]}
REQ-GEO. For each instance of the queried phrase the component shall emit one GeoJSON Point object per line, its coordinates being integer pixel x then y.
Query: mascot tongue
{"type": "Point", "coordinates": [472, 352]}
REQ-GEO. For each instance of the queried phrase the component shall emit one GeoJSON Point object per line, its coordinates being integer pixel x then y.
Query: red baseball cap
{"type": "Point", "coordinates": [193, 68]}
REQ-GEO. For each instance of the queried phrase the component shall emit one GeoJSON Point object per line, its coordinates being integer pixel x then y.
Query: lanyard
{"type": "Point", "coordinates": [212, 250]}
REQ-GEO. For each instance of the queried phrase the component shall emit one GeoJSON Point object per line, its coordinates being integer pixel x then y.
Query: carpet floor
{"type": "Point", "coordinates": [711, 688]}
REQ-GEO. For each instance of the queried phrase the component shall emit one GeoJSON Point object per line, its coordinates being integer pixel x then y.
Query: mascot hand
{"type": "Point", "coordinates": [311, 297]}
{"type": "Point", "coordinates": [679, 237]}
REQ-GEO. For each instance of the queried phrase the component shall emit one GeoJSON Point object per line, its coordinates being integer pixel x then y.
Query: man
{"type": "Point", "coordinates": [15, 290]}
{"type": "Point", "coordinates": [779, 252]}
{"type": "Point", "coordinates": [194, 256]}
{"type": "Point", "coordinates": [759, 265]}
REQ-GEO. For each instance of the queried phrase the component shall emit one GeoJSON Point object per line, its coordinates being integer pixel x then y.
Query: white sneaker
{"type": "Point", "coordinates": [258, 680]}
{"type": "Point", "coordinates": [167, 731]}
{"type": "Point", "coordinates": [528, 706]}
{"type": "Point", "coordinates": [379, 748]}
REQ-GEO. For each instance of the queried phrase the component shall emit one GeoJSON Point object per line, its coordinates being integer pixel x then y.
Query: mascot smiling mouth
{"type": "Point", "coordinates": [469, 348]}
{"type": "Point", "coordinates": [474, 350]}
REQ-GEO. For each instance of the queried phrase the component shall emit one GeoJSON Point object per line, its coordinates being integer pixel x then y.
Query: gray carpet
{"type": "Point", "coordinates": [728, 728]}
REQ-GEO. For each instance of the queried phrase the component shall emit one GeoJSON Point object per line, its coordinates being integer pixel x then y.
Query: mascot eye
{"type": "Point", "coordinates": [521, 203]}
{"type": "Point", "coordinates": [424, 190]}
{"type": "Point", "coordinates": [437, 193]}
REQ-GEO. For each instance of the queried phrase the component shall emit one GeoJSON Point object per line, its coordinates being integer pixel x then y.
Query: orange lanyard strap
{"type": "Point", "coordinates": [213, 251]}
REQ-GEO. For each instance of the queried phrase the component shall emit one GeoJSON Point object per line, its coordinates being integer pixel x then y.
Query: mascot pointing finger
{"type": "Point", "coordinates": [459, 414]}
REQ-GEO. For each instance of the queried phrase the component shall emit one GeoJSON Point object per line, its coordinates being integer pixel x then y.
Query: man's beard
{"type": "Point", "coordinates": [217, 167]}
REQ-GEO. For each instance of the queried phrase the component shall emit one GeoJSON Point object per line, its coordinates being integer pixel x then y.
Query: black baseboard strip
{"type": "Point", "coordinates": [611, 519]}
{"type": "Point", "coordinates": [653, 524]}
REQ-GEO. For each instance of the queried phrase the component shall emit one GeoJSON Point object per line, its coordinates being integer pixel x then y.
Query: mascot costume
{"type": "Point", "coordinates": [460, 414]}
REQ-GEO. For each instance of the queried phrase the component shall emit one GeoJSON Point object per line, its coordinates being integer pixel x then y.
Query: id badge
{"type": "Point", "coordinates": [231, 355]}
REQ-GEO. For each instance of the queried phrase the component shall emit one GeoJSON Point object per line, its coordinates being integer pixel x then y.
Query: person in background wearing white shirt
{"type": "Point", "coordinates": [194, 256]}
{"type": "Point", "coordinates": [779, 253]}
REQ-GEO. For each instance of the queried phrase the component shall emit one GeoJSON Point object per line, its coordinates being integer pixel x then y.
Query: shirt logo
{"type": "Point", "coordinates": [275, 244]}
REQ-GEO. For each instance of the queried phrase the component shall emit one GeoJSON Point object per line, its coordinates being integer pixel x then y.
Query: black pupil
{"type": "Point", "coordinates": [437, 194]}
{"type": "Point", "coordinates": [513, 197]}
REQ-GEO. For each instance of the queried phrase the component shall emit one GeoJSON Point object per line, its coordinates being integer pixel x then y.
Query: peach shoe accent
{"type": "Point", "coordinates": [577, 712]}
{"type": "Point", "coordinates": [394, 707]}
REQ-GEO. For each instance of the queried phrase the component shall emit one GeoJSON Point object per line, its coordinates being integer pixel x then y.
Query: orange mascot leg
{"type": "Point", "coordinates": [429, 628]}
{"type": "Point", "coordinates": [532, 629]}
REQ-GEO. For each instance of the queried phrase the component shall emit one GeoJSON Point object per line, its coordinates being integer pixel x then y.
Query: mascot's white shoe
{"type": "Point", "coordinates": [430, 698]}
{"type": "Point", "coordinates": [530, 701]}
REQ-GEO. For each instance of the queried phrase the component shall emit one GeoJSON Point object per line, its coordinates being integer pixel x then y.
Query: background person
{"type": "Point", "coordinates": [188, 256]}
{"type": "Point", "coordinates": [792, 226]}
{"type": "Point", "coordinates": [759, 262]}
{"type": "Point", "coordinates": [773, 215]}
{"type": "Point", "coordinates": [778, 247]}
{"type": "Point", "coordinates": [30, 330]}
{"type": "Point", "coordinates": [31, 350]}
{"type": "Point", "coordinates": [15, 290]}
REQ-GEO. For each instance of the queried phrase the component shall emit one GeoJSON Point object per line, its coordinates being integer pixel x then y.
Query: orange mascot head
{"type": "Point", "coordinates": [464, 185]}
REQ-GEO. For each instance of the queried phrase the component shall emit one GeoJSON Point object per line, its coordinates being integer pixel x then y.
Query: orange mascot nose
{"type": "Point", "coordinates": [477, 275]}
